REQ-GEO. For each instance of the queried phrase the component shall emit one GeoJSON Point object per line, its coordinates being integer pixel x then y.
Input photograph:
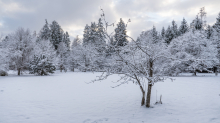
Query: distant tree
{"type": "Point", "coordinates": [120, 34]}
{"type": "Point", "coordinates": [62, 57]}
{"type": "Point", "coordinates": [66, 40]}
{"type": "Point", "coordinates": [45, 33]}
{"type": "Point", "coordinates": [194, 50]}
{"type": "Point", "coordinates": [154, 34]}
{"type": "Point", "coordinates": [216, 26]}
{"type": "Point", "coordinates": [209, 32]}
{"type": "Point", "coordinates": [86, 35]}
{"type": "Point", "coordinates": [174, 29]}
{"type": "Point", "coordinates": [183, 27]}
{"type": "Point", "coordinates": [163, 33]}
{"type": "Point", "coordinates": [169, 35]}
{"type": "Point", "coordinates": [20, 45]}
{"type": "Point", "coordinates": [56, 34]}
{"type": "Point", "coordinates": [197, 24]}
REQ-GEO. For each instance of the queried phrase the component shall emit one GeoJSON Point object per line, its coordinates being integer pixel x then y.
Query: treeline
{"type": "Point", "coordinates": [195, 45]}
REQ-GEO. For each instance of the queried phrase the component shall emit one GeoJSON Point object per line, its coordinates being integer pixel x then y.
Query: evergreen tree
{"type": "Point", "coordinates": [163, 33]}
{"type": "Point", "coordinates": [66, 39]}
{"type": "Point", "coordinates": [45, 32]}
{"type": "Point", "coordinates": [183, 27]}
{"type": "Point", "coordinates": [63, 53]}
{"type": "Point", "coordinates": [120, 34]}
{"type": "Point", "coordinates": [76, 42]}
{"type": "Point", "coordinates": [216, 26]}
{"type": "Point", "coordinates": [209, 32]}
{"type": "Point", "coordinates": [154, 34]}
{"type": "Point", "coordinates": [56, 34]}
{"type": "Point", "coordinates": [174, 29]}
{"type": "Point", "coordinates": [86, 35]}
{"type": "Point", "coordinates": [40, 65]}
{"type": "Point", "coordinates": [197, 23]}
{"type": "Point", "coordinates": [169, 35]}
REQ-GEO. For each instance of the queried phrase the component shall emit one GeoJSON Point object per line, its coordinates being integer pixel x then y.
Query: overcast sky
{"type": "Point", "coordinates": [73, 15]}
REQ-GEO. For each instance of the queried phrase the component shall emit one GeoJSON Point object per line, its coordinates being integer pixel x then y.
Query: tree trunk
{"type": "Point", "coordinates": [148, 95]}
{"type": "Point", "coordinates": [19, 71]}
{"type": "Point", "coordinates": [149, 83]}
{"type": "Point", "coordinates": [142, 90]}
{"type": "Point", "coordinates": [143, 99]}
{"type": "Point", "coordinates": [194, 73]}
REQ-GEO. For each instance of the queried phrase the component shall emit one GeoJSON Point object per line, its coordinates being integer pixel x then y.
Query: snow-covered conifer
{"type": "Point", "coordinates": [174, 29]}
{"type": "Point", "coordinates": [45, 32]}
{"type": "Point", "coordinates": [209, 32]}
{"type": "Point", "coordinates": [183, 27]}
{"type": "Point", "coordinates": [163, 33]}
{"type": "Point", "coordinates": [120, 34]}
{"type": "Point", "coordinates": [169, 35]}
{"type": "Point", "coordinates": [56, 34]}
{"type": "Point", "coordinates": [41, 65]}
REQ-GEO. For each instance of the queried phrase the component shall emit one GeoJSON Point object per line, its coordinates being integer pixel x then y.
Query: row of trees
{"type": "Point", "coordinates": [145, 61]}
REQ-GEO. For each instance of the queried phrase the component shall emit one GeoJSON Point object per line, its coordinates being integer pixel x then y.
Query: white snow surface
{"type": "Point", "coordinates": [67, 98]}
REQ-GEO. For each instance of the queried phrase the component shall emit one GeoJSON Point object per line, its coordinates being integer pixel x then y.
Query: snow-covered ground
{"type": "Point", "coordinates": [67, 98]}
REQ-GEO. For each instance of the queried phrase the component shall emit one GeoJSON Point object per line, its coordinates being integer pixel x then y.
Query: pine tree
{"type": "Point", "coordinates": [197, 23]}
{"type": "Point", "coordinates": [216, 26]}
{"type": "Point", "coordinates": [63, 53]}
{"type": "Point", "coordinates": [76, 42]}
{"type": "Point", "coordinates": [45, 32]}
{"type": "Point", "coordinates": [100, 32]}
{"type": "Point", "coordinates": [56, 34]}
{"type": "Point", "coordinates": [174, 29]}
{"type": "Point", "coordinates": [163, 33]}
{"type": "Point", "coordinates": [40, 65]}
{"type": "Point", "coordinates": [66, 39]}
{"type": "Point", "coordinates": [169, 35]}
{"type": "Point", "coordinates": [154, 34]}
{"type": "Point", "coordinates": [209, 32]}
{"type": "Point", "coordinates": [183, 27]}
{"type": "Point", "coordinates": [120, 34]}
{"type": "Point", "coordinates": [86, 35]}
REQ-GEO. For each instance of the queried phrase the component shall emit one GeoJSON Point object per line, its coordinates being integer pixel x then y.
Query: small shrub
{"type": "Point", "coordinates": [3, 73]}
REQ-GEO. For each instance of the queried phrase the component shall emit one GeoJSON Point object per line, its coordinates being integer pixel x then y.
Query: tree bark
{"type": "Point", "coordinates": [148, 95]}
{"type": "Point", "coordinates": [149, 83]}
{"type": "Point", "coordinates": [194, 73]}
{"type": "Point", "coordinates": [142, 90]}
{"type": "Point", "coordinates": [19, 71]}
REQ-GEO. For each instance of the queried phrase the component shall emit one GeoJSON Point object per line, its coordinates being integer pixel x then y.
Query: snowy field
{"type": "Point", "coordinates": [67, 98]}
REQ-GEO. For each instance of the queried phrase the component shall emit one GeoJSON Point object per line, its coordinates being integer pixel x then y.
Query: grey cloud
{"type": "Point", "coordinates": [73, 15]}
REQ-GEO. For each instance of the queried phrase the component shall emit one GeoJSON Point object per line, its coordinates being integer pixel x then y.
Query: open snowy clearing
{"type": "Point", "coordinates": [66, 98]}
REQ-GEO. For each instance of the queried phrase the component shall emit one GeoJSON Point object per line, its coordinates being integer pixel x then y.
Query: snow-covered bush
{"type": "Point", "coordinates": [3, 73]}
{"type": "Point", "coordinates": [194, 51]}
{"type": "Point", "coordinates": [40, 65]}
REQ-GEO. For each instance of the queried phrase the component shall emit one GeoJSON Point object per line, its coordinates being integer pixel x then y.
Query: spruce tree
{"type": "Point", "coordinates": [216, 26]}
{"type": "Point", "coordinates": [66, 40]}
{"type": "Point", "coordinates": [169, 35]}
{"type": "Point", "coordinates": [56, 34]}
{"type": "Point", "coordinates": [120, 34]}
{"type": "Point", "coordinates": [197, 23]}
{"type": "Point", "coordinates": [183, 27]}
{"type": "Point", "coordinates": [174, 29]}
{"type": "Point", "coordinates": [209, 32]}
{"type": "Point", "coordinates": [45, 32]}
{"type": "Point", "coordinates": [40, 65]}
{"type": "Point", "coordinates": [154, 34]}
{"type": "Point", "coordinates": [86, 35]}
{"type": "Point", "coordinates": [163, 33]}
